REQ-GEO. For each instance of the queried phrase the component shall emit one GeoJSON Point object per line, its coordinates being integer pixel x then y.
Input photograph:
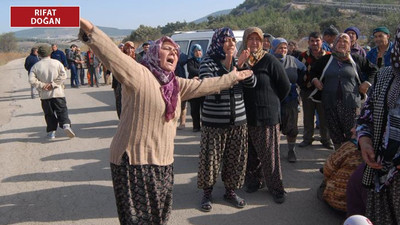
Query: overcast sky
{"type": "Point", "coordinates": [128, 14]}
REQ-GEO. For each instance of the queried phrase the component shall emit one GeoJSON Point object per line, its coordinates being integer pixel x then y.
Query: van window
{"type": "Point", "coordinates": [183, 46]}
{"type": "Point", "coordinates": [202, 43]}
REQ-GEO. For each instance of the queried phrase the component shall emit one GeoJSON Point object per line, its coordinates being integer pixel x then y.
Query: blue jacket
{"type": "Point", "coordinates": [30, 61]}
{"type": "Point", "coordinates": [326, 47]}
{"type": "Point", "coordinates": [373, 55]}
{"type": "Point", "coordinates": [60, 56]}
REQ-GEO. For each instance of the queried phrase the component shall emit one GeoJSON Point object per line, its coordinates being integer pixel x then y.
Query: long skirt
{"type": "Point", "coordinates": [383, 208]}
{"type": "Point", "coordinates": [226, 146]}
{"type": "Point", "coordinates": [265, 141]}
{"type": "Point", "coordinates": [143, 193]}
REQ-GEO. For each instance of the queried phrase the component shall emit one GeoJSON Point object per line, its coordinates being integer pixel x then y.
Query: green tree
{"type": "Point", "coordinates": [8, 42]}
{"type": "Point", "coordinates": [144, 33]}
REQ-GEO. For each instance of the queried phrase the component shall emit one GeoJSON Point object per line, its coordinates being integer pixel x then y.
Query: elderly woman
{"type": "Point", "coordinates": [378, 137]}
{"type": "Point", "coordinates": [143, 147]}
{"type": "Point", "coordinates": [338, 78]}
{"type": "Point", "coordinates": [295, 70]}
{"type": "Point", "coordinates": [224, 131]}
{"type": "Point", "coordinates": [263, 106]}
{"type": "Point", "coordinates": [193, 66]}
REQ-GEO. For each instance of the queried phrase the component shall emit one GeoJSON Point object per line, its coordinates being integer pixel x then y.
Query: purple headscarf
{"type": "Point", "coordinates": [395, 60]}
{"type": "Point", "coordinates": [169, 84]}
{"type": "Point", "coordinates": [216, 48]}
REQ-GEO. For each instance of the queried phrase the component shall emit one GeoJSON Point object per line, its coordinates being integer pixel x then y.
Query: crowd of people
{"type": "Point", "coordinates": [241, 101]}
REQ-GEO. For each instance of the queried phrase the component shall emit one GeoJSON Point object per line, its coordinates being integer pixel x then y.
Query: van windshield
{"type": "Point", "coordinates": [183, 46]}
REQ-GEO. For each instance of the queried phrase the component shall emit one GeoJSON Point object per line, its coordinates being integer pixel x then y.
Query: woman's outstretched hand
{"type": "Point", "coordinates": [243, 74]}
{"type": "Point", "coordinates": [85, 25]}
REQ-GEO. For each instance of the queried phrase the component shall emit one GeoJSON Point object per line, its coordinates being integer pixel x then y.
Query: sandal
{"type": "Point", "coordinates": [235, 200]}
{"type": "Point", "coordinates": [206, 204]}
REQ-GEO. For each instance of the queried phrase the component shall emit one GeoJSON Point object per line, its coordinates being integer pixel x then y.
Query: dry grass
{"type": "Point", "coordinates": [5, 57]}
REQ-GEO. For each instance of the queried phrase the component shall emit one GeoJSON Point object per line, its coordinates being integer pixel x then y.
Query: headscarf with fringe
{"type": "Point", "coordinates": [259, 54]}
{"type": "Point", "coordinates": [169, 84]}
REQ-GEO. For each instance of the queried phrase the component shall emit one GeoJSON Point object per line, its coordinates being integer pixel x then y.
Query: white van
{"type": "Point", "coordinates": [186, 39]}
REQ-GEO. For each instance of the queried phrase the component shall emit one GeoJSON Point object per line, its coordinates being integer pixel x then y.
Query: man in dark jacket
{"type": "Point", "coordinates": [71, 65]}
{"type": "Point", "coordinates": [29, 62]}
{"type": "Point", "coordinates": [58, 54]}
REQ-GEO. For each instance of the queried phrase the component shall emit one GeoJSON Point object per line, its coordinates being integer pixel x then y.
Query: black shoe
{"type": "Point", "coordinates": [327, 145]}
{"type": "Point", "coordinates": [235, 200]}
{"type": "Point", "coordinates": [321, 170]}
{"type": "Point", "coordinates": [279, 198]}
{"type": "Point", "coordinates": [292, 156]}
{"type": "Point", "coordinates": [206, 204]}
{"type": "Point", "coordinates": [196, 129]}
{"type": "Point", "coordinates": [304, 144]}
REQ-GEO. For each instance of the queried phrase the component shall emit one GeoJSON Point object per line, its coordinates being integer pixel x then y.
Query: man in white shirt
{"type": "Point", "coordinates": [48, 76]}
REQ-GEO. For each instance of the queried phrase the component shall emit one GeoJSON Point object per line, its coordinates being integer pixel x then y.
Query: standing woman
{"type": "Point", "coordinates": [142, 150]}
{"type": "Point", "coordinates": [295, 70]}
{"type": "Point", "coordinates": [337, 76]}
{"type": "Point", "coordinates": [378, 137]}
{"type": "Point", "coordinates": [263, 106]}
{"type": "Point", "coordinates": [224, 131]}
{"type": "Point", "coordinates": [193, 66]}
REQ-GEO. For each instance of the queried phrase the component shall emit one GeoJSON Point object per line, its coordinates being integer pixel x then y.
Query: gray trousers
{"type": "Point", "coordinates": [309, 108]}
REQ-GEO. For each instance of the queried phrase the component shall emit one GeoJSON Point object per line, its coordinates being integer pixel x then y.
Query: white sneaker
{"type": "Point", "coordinates": [68, 131]}
{"type": "Point", "coordinates": [51, 134]}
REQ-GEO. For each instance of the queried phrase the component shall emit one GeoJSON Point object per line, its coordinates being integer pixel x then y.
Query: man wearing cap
{"type": "Point", "coordinates": [47, 76]}
{"type": "Point", "coordinates": [71, 59]}
{"type": "Point", "coordinates": [380, 54]}
{"type": "Point", "coordinates": [354, 34]}
{"type": "Point", "coordinates": [329, 36]}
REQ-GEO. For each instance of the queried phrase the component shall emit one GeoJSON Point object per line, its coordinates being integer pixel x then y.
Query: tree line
{"type": "Point", "coordinates": [280, 19]}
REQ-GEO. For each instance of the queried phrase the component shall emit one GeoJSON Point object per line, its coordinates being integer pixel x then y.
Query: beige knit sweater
{"type": "Point", "coordinates": [143, 133]}
{"type": "Point", "coordinates": [46, 71]}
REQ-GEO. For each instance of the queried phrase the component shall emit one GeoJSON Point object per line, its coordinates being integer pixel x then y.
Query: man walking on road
{"type": "Point", "coordinates": [29, 62]}
{"type": "Point", "coordinates": [47, 76]}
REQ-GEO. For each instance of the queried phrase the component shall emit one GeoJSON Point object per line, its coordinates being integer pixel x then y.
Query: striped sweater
{"type": "Point", "coordinates": [227, 107]}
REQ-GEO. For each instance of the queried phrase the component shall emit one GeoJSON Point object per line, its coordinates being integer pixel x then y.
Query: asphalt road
{"type": "Point", "coordinates": [67, 181]}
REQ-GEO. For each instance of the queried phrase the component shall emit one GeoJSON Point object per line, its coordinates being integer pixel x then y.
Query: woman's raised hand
{"type": "Point", "coordinates": [243, 57]}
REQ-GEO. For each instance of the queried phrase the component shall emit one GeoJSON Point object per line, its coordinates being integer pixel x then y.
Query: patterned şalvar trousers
{"type": "Point", "coordinates": [265, 142]}
{"type": "Point", "coordinates": [226, 146]}
{"type": "Point", "coordinates": [143, 193]}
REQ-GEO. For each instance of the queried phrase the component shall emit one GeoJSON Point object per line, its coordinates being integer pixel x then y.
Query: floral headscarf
{"type": "Point", "coordinates": [395, 60]}
{"type": "Point", "coordinates": [259, 54]}
{"type": "Point", "coordinates": [169, 84]}
{"type": "Point", "coordinates": [340, 55]}
{"type": "Point", "coordinates": [216, 48]}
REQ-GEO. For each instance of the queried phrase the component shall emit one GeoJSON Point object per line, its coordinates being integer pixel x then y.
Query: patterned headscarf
{"type": "Point", "coordinates": [340, 55]}
{"type": "Point", "coordinates": [195, 47]}
{"type": "Point", "coordinates": [169, 84]}
{"type": "Point", "coordinates": [259, 54]}
{"type": "Point", "coordinates": [395, 60]}
{"type": "Point", "coordinates": [216, 48]}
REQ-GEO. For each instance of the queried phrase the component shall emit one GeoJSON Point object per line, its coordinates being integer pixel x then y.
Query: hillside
{"type": "Point", "coordinates": [66, 33]}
